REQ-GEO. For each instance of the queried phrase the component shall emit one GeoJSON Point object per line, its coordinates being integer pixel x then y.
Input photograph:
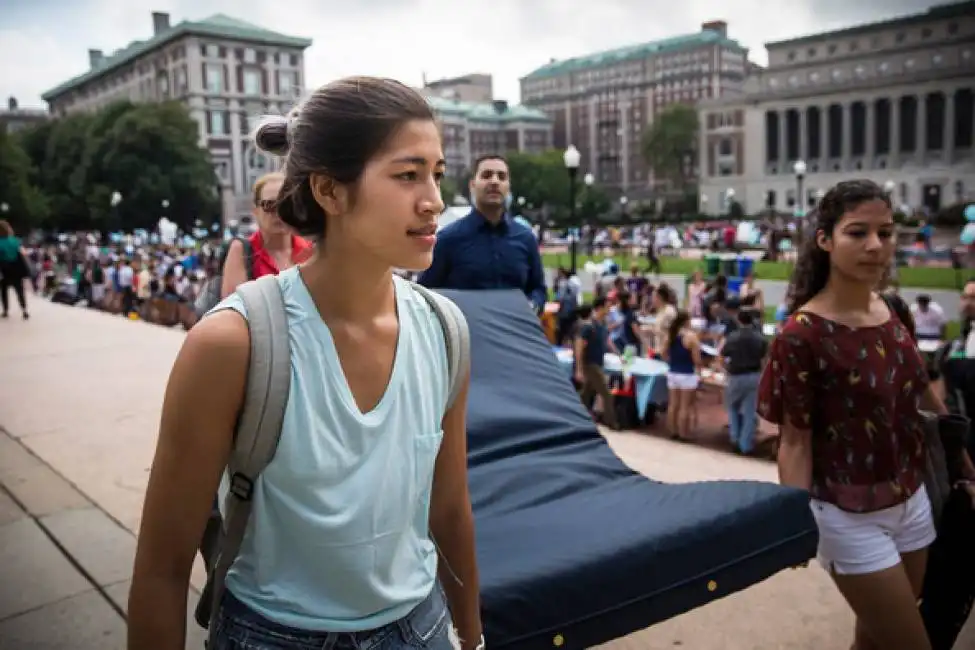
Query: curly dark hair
{"type": "Point", "coordinates": [811, 272]}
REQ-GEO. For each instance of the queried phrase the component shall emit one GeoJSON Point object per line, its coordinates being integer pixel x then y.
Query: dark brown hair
{"type": "Point", "coordinates": [335, 132]}
{"type": "Point", "coordinates": [812, 267]}
{"type": "Point", "coordinates": [485, 158]}
{"type": "Point", "coordinates": [6, 230]}
{"type": "Point", "coordinates": [680, 320]}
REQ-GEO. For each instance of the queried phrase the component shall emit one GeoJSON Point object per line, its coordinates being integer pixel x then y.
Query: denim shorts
{"type": "Point", "coordinates": [240, 628]}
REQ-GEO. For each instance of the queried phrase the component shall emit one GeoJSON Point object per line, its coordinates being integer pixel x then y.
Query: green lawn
{"type": "Point", "coordinates": [916, 277]}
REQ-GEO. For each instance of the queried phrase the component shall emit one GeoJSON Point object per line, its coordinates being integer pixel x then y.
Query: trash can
{"type": "Point", "coordinates": [712, 265]}
{"type": "Point", "coordinates": [734, 285]}
{"type": "Point", "coordinates": [745, 266]}
{"type": "Point", "coordinates": [729, 266]}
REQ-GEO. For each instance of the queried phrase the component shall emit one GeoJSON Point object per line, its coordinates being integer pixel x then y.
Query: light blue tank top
{"type": "Point", "coordinates": [338, 537]}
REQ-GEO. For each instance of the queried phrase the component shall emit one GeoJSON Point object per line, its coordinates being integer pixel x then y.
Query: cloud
{"type": "Point", "coordinates": [49, 39]}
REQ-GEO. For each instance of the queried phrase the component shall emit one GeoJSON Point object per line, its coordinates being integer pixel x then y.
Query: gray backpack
{"type": "Point", "coordinates": [259, 425]}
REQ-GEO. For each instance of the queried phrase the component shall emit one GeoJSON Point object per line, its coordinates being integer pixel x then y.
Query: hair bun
{"type": "Point", "coordinates": [271, 135]}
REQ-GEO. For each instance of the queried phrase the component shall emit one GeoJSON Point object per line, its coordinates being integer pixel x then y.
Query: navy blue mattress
{"type": "Point", "coordinates": [574, 548]}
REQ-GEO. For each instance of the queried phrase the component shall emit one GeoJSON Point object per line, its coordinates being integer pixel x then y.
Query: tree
{"type": "Point", "coordinates": [541, 179]}
{"type": "Point", "coordinates": [594, 204]}
{"type": "Point", "coordinates": [449, 188]}
{"type": "Point", "coordinates": [146, 152]}
{"type": "Point", "coordinates": [63, 156]}
{"type": "Point", "coordinates": [150, 154]}
{"type": "Point", "coordinates": [670, 142]}
{"type": "Point", "coordinates": [24, 206]}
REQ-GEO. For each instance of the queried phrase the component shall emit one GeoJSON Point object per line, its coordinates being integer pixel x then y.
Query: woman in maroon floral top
{"type": "Point", "coordinates": [845, 382]}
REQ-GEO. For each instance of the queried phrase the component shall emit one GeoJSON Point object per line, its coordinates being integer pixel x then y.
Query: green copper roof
{"type": "Point", "coordinates": [216, 26]}
{"type": "Point", "coordinates": [955, 10]}
{"type": "Point", "coordinates": [486, 112]}
{"type": "Point", "coordinates": [633, 53]}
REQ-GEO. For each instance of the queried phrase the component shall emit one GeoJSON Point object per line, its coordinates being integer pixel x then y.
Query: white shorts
{"type": "Point", "coordinates": [856, 543]}
{"type": "Point", "coordinates": [682, 381]}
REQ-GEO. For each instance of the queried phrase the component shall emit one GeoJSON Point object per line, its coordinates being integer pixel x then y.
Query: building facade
{"type": "Point", "coordinates": [16, 118]}
{"type": "Point", "coordinates": [889, 101]}
{"type": "Point", "coordinates": [603, 103]}
{"type": "Point", "coordinates": [474, 129]}
{"type": "Point", "coordinates": [478, 88]}
{"type": "Point", "coordinates": [227, 72]}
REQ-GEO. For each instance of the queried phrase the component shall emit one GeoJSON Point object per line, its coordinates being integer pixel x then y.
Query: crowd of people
{"type": "Point", "coordinates": [343, 545]}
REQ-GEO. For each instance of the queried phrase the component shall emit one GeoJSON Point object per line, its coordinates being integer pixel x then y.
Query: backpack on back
{"type": "Point", "coordinates": [209, 296]}
{"type": "Point", "coordinates": [262, 414]}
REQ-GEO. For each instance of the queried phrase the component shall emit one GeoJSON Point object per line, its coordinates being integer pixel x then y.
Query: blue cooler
{"type": "Point", "coordinates": [734, 285]}
{"type": "Point", "coordinates": [745, 265]}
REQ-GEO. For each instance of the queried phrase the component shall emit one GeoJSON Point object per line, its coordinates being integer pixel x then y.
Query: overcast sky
{"type": "Point", "coordinates": [45, 42]}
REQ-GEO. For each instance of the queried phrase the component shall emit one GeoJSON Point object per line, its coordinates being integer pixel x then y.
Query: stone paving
{"type": "Point", "coordinates": [79, 411]}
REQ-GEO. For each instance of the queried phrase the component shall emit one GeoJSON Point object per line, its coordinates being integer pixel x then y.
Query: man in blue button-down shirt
{"type": "Point", "coordinates": [487, 249]}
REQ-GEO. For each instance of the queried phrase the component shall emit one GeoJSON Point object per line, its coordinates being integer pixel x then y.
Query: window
{"type": "Point", "coordinates": [181, 79]}
{"type": "Point", "coordinates": [926, 32]}
{"type": "Point", "coordinates": [724, 147]}
{"type": "Point", "coordinates": [901, 37]}
{"type": "Point", "coordinates": [936, 59]}
{"type": "Point", "coordinates": [213, 77]}
{"type": "Point", "coordinates": [854, 46]}
{"type": "Point", "coordinates": [814, 77]}
{"type": "Point", "coordinates": [909, 64]}
{"type": "Point", "coordinates": [211, 50]}
{"type": "Point", "coordinates": [884, 67]}
{"type": "Point", "coordinates": [792, 56]}
{"type": "Point", "coordinates": [952, 29]}
{"type": "Point", "coordinates": [831, 49]}
{"type": "Point", "coordinates": [252, 82]}
{"type": "Point", "coordinates": [250, 56]}
{"type": "Point", "coordinates": [811, 52]}
{"type": "Point", "coordinates": [218, 123]}
{"type": "Point", "coordinates": [285, 84]}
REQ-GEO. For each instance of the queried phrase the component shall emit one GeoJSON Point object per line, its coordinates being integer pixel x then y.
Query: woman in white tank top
{"type": "Point", "coordinates": [372, 465]}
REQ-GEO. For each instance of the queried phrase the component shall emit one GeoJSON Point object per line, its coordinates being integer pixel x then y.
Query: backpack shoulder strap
{"type": "Point", "coordinates": [248, 257]}
{"type": "Point", "coordinates": [457, 335]}
{"type": "Point", "coordinates": [261, 416]}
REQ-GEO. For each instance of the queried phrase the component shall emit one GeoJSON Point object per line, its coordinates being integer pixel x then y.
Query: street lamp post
{"type": "Point", "coordinates": [589, 218]}
{"type": "Point", "coordinates": [114, 202]}
{"type": "Point", "coordinates": [799, 169]}
{"type": "Point", "coordinates": [889, 187]}
{"type": "Point", "coordinates": [572, 158]}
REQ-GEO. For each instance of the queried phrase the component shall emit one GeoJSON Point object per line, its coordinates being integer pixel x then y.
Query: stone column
{"type": "Point", "coordinates": [870, 106]}
{"type": "Point", "coordinates": [895, 129]}
{"type": "Point", "coordinates": [803, 134]}
{"type": "Point", "coordinates": [949, 126]}
{"type": "Point", "coordinates": [783, 149]}
{"type": "Point", "coordinates": [921, 126]}
{"type": "Point", "coordinates": [847, 140]}
{"type": "Point", "coordinates": [824, 132]}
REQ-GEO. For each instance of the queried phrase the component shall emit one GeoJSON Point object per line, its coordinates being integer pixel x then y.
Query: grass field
{"type": "Point", "coordinates": [912, 276]}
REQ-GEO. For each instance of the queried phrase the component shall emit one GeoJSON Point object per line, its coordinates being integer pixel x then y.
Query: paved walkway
{"type": "Point", "coordinates": [79, 412]}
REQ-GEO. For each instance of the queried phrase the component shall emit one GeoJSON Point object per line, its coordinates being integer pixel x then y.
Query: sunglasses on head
{"type": "Point", "coordinates": [268, 205]}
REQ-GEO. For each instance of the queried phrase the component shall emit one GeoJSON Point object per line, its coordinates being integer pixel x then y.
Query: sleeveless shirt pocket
{"type": "Point", "coordinates": [425, 449]}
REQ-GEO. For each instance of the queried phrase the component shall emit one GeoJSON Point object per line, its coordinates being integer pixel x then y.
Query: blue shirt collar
{"type": "Point", "coordinates": [485, 224]}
